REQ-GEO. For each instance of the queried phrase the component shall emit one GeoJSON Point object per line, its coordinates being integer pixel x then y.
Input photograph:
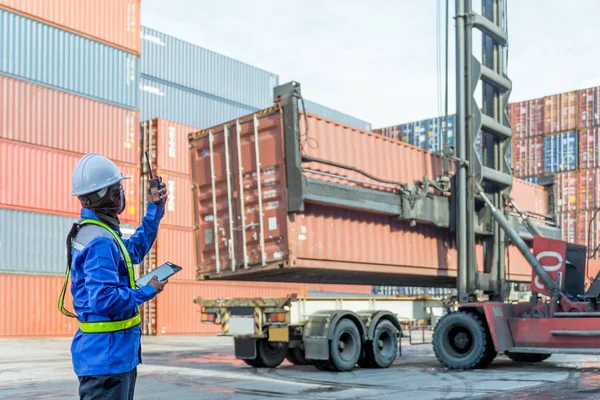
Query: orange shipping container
{"type": "Point", "coordinates": [113, 22]}
{"type": "Point", "coordinates": [39, 179]}
{"type": "Point", "coordinates": [561, 112]}
{"type": "Point", "coordinates": [392, 132]}
{"type": "Point", "coordinates": [177, 313]}
{"type": "Point", "coordinates": [59, 120]}
{"type": "Point", "coordinates": [29, 306]}
{"type": "Point", "coordinates": [178, 210]}
{"type": "Point", "coordinates": [323, 243]}
{"type": "Point", "coordinates": [589, 107]}
{"type": "Point", "coordinates": [168, 144]}
{"type": "Point", "coordinates": [177, 246]}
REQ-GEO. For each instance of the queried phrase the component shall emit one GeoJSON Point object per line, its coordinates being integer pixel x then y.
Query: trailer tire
{"type": "Point", "coordinates": [527, 357]}
{"type": "Point", "coordinates": [344, 346]}
{"type": "Point", "coordinates": [382, 350]}
{"type": "Point", "coordinates": [296, 356]}
{"type": "Point", "coordinates": [268, 354]}
{"type": "Point", "coordinates": [460, 341]}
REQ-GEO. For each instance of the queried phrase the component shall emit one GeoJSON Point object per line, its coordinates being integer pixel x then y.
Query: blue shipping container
{"type": "Point", "coordinates": [530, 179]}
{"type": "Point", "coordinates": [48, 56]}
{"type": "Point", "coordinates": [175, 61]}
{"type": "Point", "coordinates": [334, 115]}
{"type": "Point", "coordinates": [161, 100]}
{"type": "Point", "coordinates": [427, 134]}
{"type": "Point", "coordinates": [561, 152]}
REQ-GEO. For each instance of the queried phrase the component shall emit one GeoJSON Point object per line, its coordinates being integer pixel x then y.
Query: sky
{"type": "Point", "coordinates": [378, 59]}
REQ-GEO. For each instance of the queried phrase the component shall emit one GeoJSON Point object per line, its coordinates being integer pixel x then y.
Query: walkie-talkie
{"type": "Point", "coordinates": [154, 183]}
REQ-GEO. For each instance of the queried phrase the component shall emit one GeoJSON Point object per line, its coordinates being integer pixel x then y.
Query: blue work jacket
{"type": "Point", "coordinates": [101, 292]}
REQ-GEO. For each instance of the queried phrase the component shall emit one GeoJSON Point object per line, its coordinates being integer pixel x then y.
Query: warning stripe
{"type": "Point", "coordinates": [225, 314]}
{"type": "Point", "coordinates": [257, 321]}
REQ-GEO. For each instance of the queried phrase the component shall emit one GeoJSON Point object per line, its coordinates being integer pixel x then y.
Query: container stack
{"type": "Point", "coordinates": [68, 86]}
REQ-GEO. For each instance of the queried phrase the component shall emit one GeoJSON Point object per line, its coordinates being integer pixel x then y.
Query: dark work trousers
{"type": "Point", "coordinates": [117, 387]}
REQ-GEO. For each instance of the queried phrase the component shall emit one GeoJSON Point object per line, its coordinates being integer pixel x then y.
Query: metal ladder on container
{"type": "Point", "coordinates": [491, 171]}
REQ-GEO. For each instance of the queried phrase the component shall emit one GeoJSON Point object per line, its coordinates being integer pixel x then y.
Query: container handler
{"type": "Point", "coordinates": [474, 201]}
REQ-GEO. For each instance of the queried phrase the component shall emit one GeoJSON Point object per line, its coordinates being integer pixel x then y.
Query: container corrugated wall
{"type": "Point", "coordinates": [29, 306]}
{"type": "Point", "coordinates": [527, 118]}
{"type": "Point", "coordinates": [589, 107]}
{"type": "Point", "coordinates": [426, 134]}
{"type": "Point", "coordinates": [567, 186]}
{"type": "Point", "coordinates": [49, 172]}
{"type": "Point", "coordinates": [330, 113]}
{"type": "Point", "coordinates": [178, 104]}
{"type": "Point", "coordinates": [561, 152]}
{"type": "Point", "coordinates": [114, 22]}
{"type": "Point", "coordinates": [589, 148]}
{"type": "Point", "coordinates": [178, 210]}
{"type": "Point", "coordinates": [528, 156]}
{"type": "Point", "coordinates": [588, 189]}
{"type": "Point", "coordinates": [32, 242]}
{"type": "Point", "coordinates": [177, 246]}
{"type": "Point", "coordinates": [561, 112]}
{"type": "Point", "coordinates": [178, 314]}
{"type": "Point", "coordinates": [173, 60]}
{"type": "Point", "coordinates": [59, 59]}
{"type": "Point", "coordinates": [51, 118]}
{"type": "Point", "coordinates": [171, 145]}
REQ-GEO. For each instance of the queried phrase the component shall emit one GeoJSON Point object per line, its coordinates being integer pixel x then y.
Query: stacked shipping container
{"type": "Point", "coordinates": [68, 86]}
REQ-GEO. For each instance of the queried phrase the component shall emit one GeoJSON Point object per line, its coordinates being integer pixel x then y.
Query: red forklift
{"type": "Point", "coordinates": [562, 316]}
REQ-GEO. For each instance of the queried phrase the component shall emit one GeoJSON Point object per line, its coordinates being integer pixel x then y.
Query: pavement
{"type": "Point", "coordinates": [203, 367]}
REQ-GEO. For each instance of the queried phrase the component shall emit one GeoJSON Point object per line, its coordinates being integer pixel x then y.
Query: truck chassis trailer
{"type": "Point", "coordinates": [333, 334]}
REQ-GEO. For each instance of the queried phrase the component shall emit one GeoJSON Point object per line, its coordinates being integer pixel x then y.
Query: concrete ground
{"type": "Point", "coordinates": [205, 368]}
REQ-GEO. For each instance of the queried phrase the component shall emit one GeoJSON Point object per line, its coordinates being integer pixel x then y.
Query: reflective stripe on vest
{"type": "Point", "coordinates": [104, 326]}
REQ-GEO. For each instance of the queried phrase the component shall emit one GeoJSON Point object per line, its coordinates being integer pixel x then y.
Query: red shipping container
{"type": "Point", "coordinates": [50, 118]}
{"type": "Point", "coordinates": [39, 179]}
{"type": "Point", "coordinates": [561, 112]}
{"type": "Point", "coordinates": [177, 313]}
{"type": "Point", "coordinates": [29, 306]}
{"type": "Point", "coordinates": [589, 148]}
{"type": "Point", "coordinates": [323, 243]}
{"type": "Point", "coordinates": [587, 232]}
{"type": "Point", "coordinates": [589, 107]}
{"type": "Point", "coordinates": [168, 145]}
{"type": "Point", "coordinates": [527, 118]}
{"type": "Point", "coordinates": [113, 22]}
{"type": "Point", "coordinates": [568, 225]}
{"type": "Point", "coordinates": [567, 191]}
{"type": "Point", "coordinates": [589, 187]}
{"type": "Point", "coordinates": [392, 132]}
{"type": "Point", "coordinates": [528, 156]}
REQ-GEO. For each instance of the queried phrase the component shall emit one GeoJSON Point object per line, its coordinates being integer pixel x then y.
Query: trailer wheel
{"type": "Point", "coordinates": [296, 356]}
{"type": "Point", "coordinates": [382, 350]}
{"type": "Point", "coordinates": [268, 354]}
{"type": "Point", "coordinates": [527, 357]}
{"type": "Point", "coordinates": [460, 341]}
{"type": "Point", "coordinates": [344, 346]}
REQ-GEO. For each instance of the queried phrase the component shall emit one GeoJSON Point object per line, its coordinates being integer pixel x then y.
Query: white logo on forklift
{"type": "Point", "coordinates": [548, 268]}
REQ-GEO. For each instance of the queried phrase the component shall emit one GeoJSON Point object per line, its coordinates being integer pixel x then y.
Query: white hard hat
{"type": "Point", "coordinates": [94, 172]}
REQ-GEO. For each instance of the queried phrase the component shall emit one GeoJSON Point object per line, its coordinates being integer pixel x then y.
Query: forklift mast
{"type": "Point", "coordinates": [490, 169]}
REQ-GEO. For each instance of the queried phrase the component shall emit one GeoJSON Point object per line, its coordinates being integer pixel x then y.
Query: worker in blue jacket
{"type": "Point", "coordinates": [106, 349]}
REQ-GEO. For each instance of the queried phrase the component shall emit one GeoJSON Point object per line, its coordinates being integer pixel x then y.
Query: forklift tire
{"type": "Point", "coordinates": [527, 357]}
{"type": "Point", "coordinates": [295, 355]}
{"type": "Point", "coordinates": [382, 350]}
{"type": "Point", "coordinates": [268, 354]}
{"type": "Point", "coordinates": [460, 341]}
